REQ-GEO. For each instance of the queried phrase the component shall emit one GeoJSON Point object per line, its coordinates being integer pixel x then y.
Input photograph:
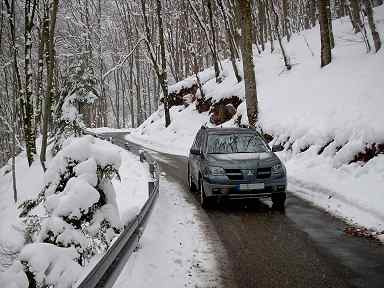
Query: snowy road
{"type": "Point", "coordinates": [175, 250]}
{"type": "Point", "coordinates": [251, 245]}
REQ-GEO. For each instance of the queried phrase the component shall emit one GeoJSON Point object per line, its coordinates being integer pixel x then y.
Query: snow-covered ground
{"type": "Point", "coordinates": [185, 257]}
{"type": "Point", "coordinates": [131, 194]}
{"type": "Point", "coordinates": [309, 106]}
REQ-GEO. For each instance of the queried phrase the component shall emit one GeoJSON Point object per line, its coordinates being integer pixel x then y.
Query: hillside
{"type": "Point", "coordinates": [329, 120]}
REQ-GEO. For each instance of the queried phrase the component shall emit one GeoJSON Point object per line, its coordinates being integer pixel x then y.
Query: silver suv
{"type": "Point", "coordinates": [235, 163]}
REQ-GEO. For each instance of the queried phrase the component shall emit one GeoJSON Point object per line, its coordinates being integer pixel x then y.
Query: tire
{"type": "Point", "coordinates": [191, 185]}
{"type": "Point", "coordinates": [205, 201]}
{"type": "Point", "coordinates": [278, 201]}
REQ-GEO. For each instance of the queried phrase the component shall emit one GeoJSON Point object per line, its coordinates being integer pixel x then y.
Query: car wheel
{"type": "Point", "coordinates": [204, 200]}
{"type": "Point", "coordinates": [191, 185]}
{"type": "Point", "coordinates": [278, 201]}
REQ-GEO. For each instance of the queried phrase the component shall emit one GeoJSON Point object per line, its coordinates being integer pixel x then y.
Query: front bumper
{"type": "Point", "coordinates": [233, 190]}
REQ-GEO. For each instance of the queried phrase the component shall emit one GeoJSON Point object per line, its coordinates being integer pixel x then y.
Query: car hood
{"type": "Point", "coordinates": [243, 160]}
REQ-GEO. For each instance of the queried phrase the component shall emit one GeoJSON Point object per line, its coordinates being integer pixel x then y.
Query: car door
{"type": "Point", "coordinates": [194, 158]}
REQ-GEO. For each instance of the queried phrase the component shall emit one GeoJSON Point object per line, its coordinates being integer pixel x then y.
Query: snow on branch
{"type": "Point", "coordinates": [118, 66]}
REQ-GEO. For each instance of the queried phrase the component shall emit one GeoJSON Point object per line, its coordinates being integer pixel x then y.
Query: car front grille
{"type": "Point", "coordinates": [234, 174]}
{"type": "Point", "coordinates": [237, 174]}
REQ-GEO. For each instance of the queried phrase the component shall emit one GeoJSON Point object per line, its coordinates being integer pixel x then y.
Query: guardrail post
{"type": "Point", "coordinates": [152, 168]}
{"type": "Point", "coordinates": [141, 155]}
{"type": "Point", "coordinates": [151, 187]}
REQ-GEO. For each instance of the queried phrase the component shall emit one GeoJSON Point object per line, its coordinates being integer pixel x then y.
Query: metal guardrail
{"type": "Point", "coordinates": [105, 273]}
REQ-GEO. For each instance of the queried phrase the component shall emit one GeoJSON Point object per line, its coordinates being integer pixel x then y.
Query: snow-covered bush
{"type": "Point", "coordinates": [50, 266]}
{"type": "Point", "coordinates": [77, 207]}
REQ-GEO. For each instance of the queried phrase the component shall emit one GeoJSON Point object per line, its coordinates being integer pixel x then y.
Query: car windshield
{"type": "Point", "coordinates": [235, 143]}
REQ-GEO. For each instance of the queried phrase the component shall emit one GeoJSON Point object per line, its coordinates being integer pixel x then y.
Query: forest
{"type": "Point", "coordinates": [71, 64]}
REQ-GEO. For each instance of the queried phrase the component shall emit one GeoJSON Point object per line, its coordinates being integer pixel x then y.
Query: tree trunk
{"type": "Point", "coordinates": [286, 31]}
{"type": "Point", "coordinates": [355, 15]}
{"type": "Point", "coordinates": [131, 95]}
{"type": "Point", "coordinates": [139, 111]}
{"type": "Point", "coordinates": [208, 39]}
{"type": "Point", "coordinates": [262, 24]}
{"type": "Point", "coordinates": [340, 8]}
{"type": "Point", "coordinates": [14, 124]}
{"type": "Point", "coordinates": [248, 64]}
{"type": "Point", "coordinates": [312, 11]}
{"type": "Point", "coordinates": [147, 76]}
{"type": "Point", "coordinates": [372, 25]}
{"type": "Point", "coordinates": [331, 38]}
{"type": "Point", "coordinates": [277, 32]}
{"type": "Point", "coordinates": [29, 131]}
{"type": "Point", "coordinates": [50, 27]}
{"type": "Point", "coordinates": [270, 33]}
{"type": "Point", "coordinates": [40, 71]}
{"type": "Point", "coordinates": [324, 33]}
{"type": "Point", "coordinates": [230, 39]}
{"type": "Point", "coordinates": [213, 33]}
{"type": "Point", "coordinates": [17, 90]}
{"type": "Point", "coordinates": [163, 73]}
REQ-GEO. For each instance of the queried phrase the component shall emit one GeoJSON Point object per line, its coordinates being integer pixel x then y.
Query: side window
{"type": "Point", "coordinates": [202, 141]}
{"type": "Point", "coordinates": [198, 140]}
{"type": "Point", "coordinates": [196, 144]}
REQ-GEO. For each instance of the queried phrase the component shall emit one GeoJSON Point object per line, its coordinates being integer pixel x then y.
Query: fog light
{"type": "Point", "coordinates": [281, 188]}
{"type": "Point", "coordinates": [216, 190]}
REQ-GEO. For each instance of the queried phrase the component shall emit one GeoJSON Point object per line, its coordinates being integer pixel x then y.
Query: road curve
{"type": "Point", "coordinates": [301, 247]}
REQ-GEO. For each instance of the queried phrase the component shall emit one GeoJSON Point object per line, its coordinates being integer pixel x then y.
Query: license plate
{"type": "Point", "coordinates": [254, 186]}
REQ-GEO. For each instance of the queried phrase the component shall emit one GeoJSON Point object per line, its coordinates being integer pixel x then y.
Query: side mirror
{"type": "Point", "coordinates": [195, 152]}
{"type": "Point", "coordinates": [277, 148]}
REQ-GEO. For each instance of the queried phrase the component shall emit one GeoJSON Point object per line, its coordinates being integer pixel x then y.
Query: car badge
{"type": "Point", "coordinates": [250, 173]}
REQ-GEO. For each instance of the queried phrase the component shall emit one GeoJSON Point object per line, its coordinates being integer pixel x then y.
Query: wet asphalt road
{"type": "Point", "coordinates": [300, 247]}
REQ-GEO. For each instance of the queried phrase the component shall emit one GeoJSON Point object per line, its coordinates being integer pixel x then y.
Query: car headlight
{"type": "Point", "coordinates": [277, 169]}
{"type": "Point", "coordinates": [214, 171]}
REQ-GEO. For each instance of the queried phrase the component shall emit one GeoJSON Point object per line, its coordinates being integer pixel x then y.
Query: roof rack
{"type": "Point", "coordinates": [246, 126]}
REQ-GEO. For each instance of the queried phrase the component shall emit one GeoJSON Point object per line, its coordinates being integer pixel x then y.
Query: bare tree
{"type": "Point", "coordinates": [230, 39]}
{"type": "Point", "coordinates": [285, 21]}
{"type": "Point", "coordinates": [248, 64]}
{"type": "Point", "coordinates": [355, 15]}
{"type": "Point", "coordinates": [372, 25]}
{"type": "Point", "coordinates": [161, 70]}
{"type": "Point", "coordinates": [162, 74]}
{"type": "Point", "coordinates": [49, 26]}
{"type": "Point", "coordinates": [29, 131]}
{"type": "Point", "coordinates": [211, 45]}
{"type": "Point", "coordinates": [277, 32]}
{"type": "Point", "coordinates": [324, 33]}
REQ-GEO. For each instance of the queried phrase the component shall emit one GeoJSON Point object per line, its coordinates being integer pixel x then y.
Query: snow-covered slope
{"type": "Point", "coordinates": [306, 108]}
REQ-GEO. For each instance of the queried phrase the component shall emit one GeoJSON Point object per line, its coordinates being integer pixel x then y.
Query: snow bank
{"type": "Point", "coordinates": [29, 183]}
{"type": "Point", "coordinates": [132, 190]}
{"type": "Point", "coordinates": [176, 138]}
{"type": "Point", "coordinates": [14, 277]}
{"type": "Point", "coordinates": [204, 76]}
{"type": "Point", "coordinates": [309, 106]}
